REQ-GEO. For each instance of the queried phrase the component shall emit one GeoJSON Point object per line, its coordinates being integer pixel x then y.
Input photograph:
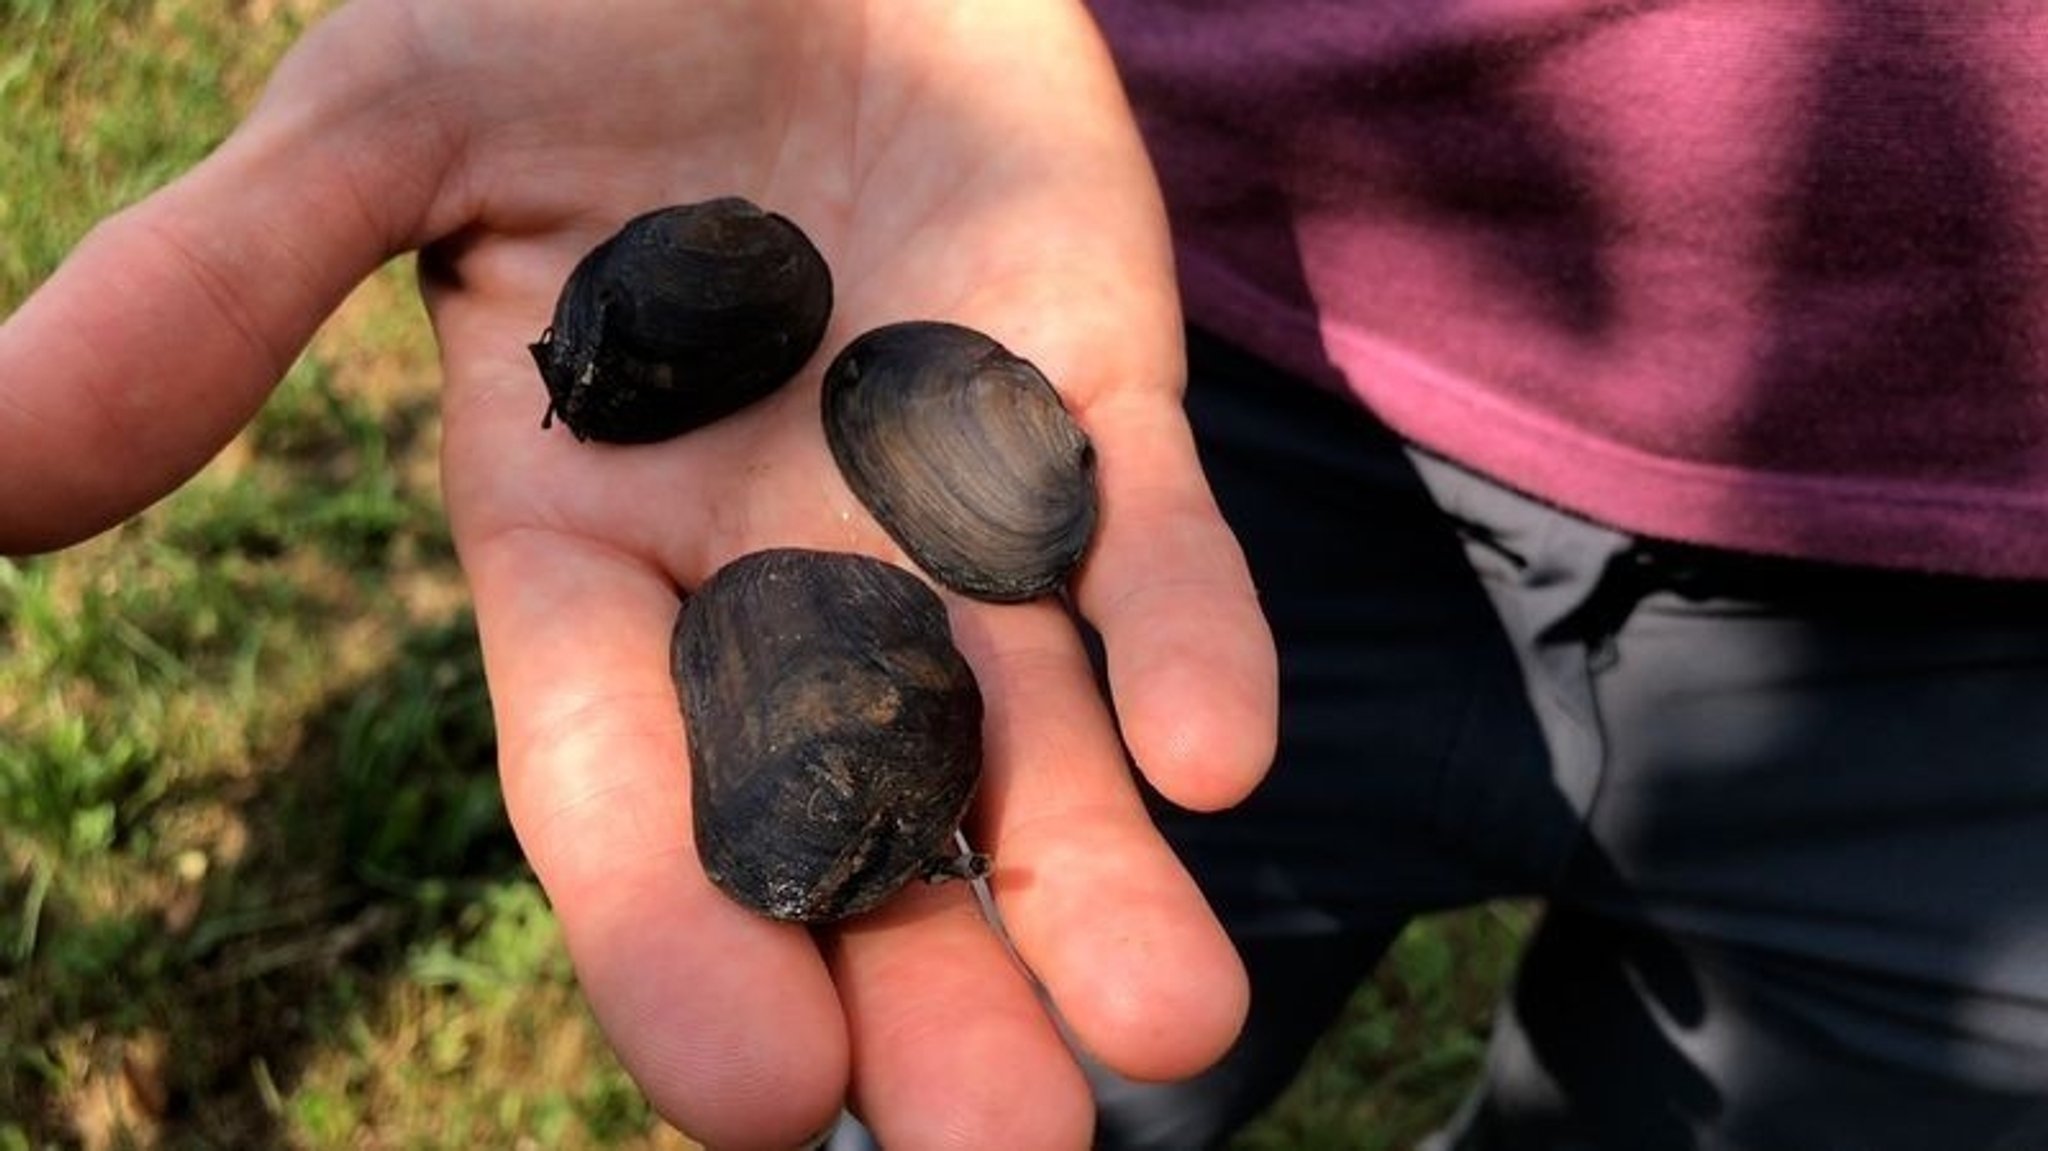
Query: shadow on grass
{"type": "Point", "coordinates": [187, 1024]}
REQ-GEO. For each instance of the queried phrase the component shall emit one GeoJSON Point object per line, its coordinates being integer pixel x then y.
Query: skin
{"type": "Point", "coordinates": [973, 162]}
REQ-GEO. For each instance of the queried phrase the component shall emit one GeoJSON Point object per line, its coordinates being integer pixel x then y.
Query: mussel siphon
{"type": "Point", "coordinates": [965, 455]}
{"type": "Point", "coordinates": [685, 315]}
{"type": "Point", "coordinates": [835, 731]}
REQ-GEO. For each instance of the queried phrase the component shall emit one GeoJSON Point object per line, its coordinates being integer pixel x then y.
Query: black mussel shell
{"type": "Point", "coordinates": [835, 731]}
{"type": "Point", "coordinates": [965, 455]}
{"type": "Point", "coordinates": [686, 314]}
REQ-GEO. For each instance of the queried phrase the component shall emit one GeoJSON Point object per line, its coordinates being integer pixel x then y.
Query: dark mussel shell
{"type": "Point", "coordinates": [686, 314]}
{"type": "Point", "coordinates": [965, 455]}
{"type": "Point", "coordinates": [835, 731]}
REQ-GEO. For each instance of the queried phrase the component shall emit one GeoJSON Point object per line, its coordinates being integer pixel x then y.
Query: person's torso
{"type": "Point", "coordinates": [1768, 274]}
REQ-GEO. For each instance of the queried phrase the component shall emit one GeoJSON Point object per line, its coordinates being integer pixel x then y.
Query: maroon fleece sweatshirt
{"type": "Point", "coordinates": [1764, 274]}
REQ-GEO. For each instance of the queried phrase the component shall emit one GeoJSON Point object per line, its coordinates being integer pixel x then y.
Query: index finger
{"type": "Point", "coordinates": [728, 1022]}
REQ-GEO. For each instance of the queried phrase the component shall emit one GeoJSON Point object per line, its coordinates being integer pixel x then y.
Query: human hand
{"type": "Point", "coordinates": [966, 162]}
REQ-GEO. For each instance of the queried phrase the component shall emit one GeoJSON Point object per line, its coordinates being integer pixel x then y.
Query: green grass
{"type": "Point", "coordinates": [1408, 1045]}
{"type": "Point", "coordinates": [256, 888]}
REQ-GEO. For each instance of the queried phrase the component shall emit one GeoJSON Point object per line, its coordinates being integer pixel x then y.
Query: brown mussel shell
{"type": "Point", "coordinates": [835, 731]}
{"type": "Point", "coordinates": [965, 455]}
{"type": "Point", "coordinates": [686, 314]}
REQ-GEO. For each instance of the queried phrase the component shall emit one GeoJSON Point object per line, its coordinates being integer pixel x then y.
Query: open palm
{"type": "Point", "coordinates": [966, 162]}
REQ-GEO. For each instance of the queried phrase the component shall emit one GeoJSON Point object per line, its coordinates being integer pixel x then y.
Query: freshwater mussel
{"type": "Point", "coordinates": [835, 731]}
{"type": "Point", "coordinates": [965, 454]}
{"type": "Point", "coordinates": [686, 314]}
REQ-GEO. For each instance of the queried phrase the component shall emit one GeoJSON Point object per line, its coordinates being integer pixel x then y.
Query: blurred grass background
{"type": "Point", "coordinates": [256, 889]}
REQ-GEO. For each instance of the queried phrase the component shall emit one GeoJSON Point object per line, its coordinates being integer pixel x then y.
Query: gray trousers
{"type": "Point", "coordinates": [1789, 822]}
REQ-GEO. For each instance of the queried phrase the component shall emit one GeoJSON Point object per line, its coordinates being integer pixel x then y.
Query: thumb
{"type": "Point", "coordinates": [165, 329]}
